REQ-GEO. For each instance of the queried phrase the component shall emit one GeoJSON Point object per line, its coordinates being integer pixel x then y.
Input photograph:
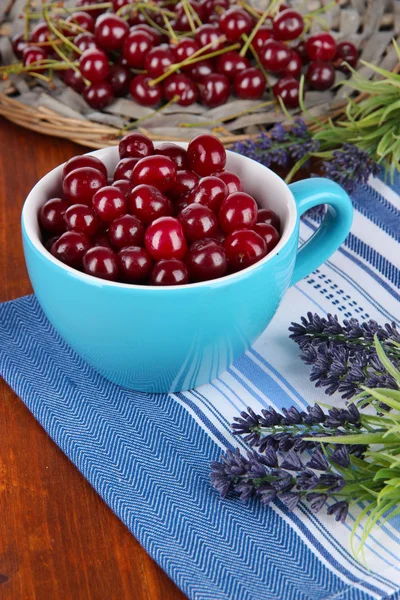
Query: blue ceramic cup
{"type": "Point", "coordinates": [175, 338]}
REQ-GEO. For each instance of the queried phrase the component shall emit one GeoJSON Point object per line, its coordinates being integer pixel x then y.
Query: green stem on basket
{"type": "Point", "coordinates": [58, 33]}
{"type": "Point", "coordinates": [188, 15]}
{"type": "Point", "coordinates": [194, 58]}
{"type": "Point", "coordinates": [156, 112]}
{"type": "Point", "coordinates": [261, 20]}
{"type": "Point", "coordinates": [257, 59]}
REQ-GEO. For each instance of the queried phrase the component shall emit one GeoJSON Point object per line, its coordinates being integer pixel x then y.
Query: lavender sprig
{"type": "Point", "coordinates": [350, 167]}
{"type": "Point", "coordinates": [281, 146]}
{"type": "Point", "coordinates": [272, 431]}
{"type": "Point", "coordinates": [343, 357]}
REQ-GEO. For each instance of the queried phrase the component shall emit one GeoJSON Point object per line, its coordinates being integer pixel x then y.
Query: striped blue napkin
{"type": "Point", "coordinates": [148, 455]}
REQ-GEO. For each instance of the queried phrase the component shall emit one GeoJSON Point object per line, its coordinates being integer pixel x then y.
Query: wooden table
{"type": "Point", "coordinates": [58, 540]}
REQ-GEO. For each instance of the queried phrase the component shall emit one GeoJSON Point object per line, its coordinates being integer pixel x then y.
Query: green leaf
{"type": "Point", "coordinates": [389, 366]}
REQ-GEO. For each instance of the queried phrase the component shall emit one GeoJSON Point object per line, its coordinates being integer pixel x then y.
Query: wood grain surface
{"type": "Point", "coordinates": [58, 539]}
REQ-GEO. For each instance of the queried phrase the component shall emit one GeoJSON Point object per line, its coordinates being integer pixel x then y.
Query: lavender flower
{"type": "Point", "coordinates": [281, 146]}
{"type": "Point", "coordinates": [350, 167]}
{"type": "Point", "coordinates": [343, 357]}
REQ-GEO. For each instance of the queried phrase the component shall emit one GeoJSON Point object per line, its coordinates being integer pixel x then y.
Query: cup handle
{"type": "Point", "coordinates": [333, 229]}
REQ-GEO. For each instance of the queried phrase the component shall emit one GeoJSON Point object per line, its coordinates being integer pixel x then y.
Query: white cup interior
{"type": "Point", "coordinates": [267, 188]}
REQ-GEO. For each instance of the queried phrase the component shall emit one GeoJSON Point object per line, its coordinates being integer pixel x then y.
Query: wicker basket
{"type": "Point", "coordinates": [370, 24]}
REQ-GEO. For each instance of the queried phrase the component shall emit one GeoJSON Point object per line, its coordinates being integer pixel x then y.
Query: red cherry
{"type": "Point", "coordinates": [80, 185]}
{"type": "Point", "coordinates": [238, 211]}
{"type": "Point", "coordinates": [153, 33]}
{"type": "Point", "coordinates": [274, 56]}
{"type": "Point", "coordinates": [119, 78]}
{"type": "Point", "coordinates": [32, 56]}
{"type": "Point", "coordinates": [158, 60]}
{"type": "Point", "coordinates": [18, 44]}
{"type": "Point", "coordinates": [126, 231]}
{"type": "Point", "coordinates": [84, 160]}
{"type": "Point", "coordinates": [209, 34]}
{"type": "Point", "coordinates": [288, 25]}
{"type": "Point", "coordinates": [231, 180]}
{"type": "Point", "coordinates": [198, 222]}
{"type": "Point", "coordinates": [98, 95]}
{"type": "Point", "coordinates": [72, 79]}
{"type": "Point", "coordinates": [156, 170]}
{"type": "Point", "coordinates": [70, 248]}
{"type": "Point", "coordinates": [174, 152]}
{"type": "Point", "coordinates": [288, 89]}
{"type": "Point", "coordinates": [51, 215]}
{"type": "Point", "coordinates": [320, 75]}
{"type": "Point", "coordinates": [182, 86]}
{"type": "Point", "coordinates": [83, 20]}
{"type": "Point", "coordinates": [136, 46]}
{"type": "Point", "coordinates": [265, 215]}
{"type": "Point", "coordinates": [123, 185]}
{"type": "Point", "coordinates": [147, 203]}
{"type": "Point", "coordinates": [143, 93]}
{"type": "Point", "coordinates": [206, 155]}
{"type": "Point", "coordinates": [211, 191]}
{"type": "Point", "coordinates": [219, 237]}
{"type": "Point", "coordinates": [249, 84]}
{"type": "Point", "coordinates": [262, 35]}
{"type": "Point", "coordinates": [215, 90]}
{"type": "Point", "coordinates": [109, 203]}
{"type": "Point", "coordinates": [185, 182]}
{"type": "Point", "coordinates": [93, 65]}
{"type": "Point", "coordinates": [269, 234]}
{"type": "Point", "coordinates": [346, 52]}
{"type": "Point", "coordinates": [41, 33]}
{"type": "Point", "coordinates": [169, 272]}
{"type": "Point", "coordinates": [79, 217]}
{"type": "Point", "coordinates": [294, 67]}
{"type": "Point", "coordinates": [235, 22]}
{"type": "Point", "coordinates": [206, 260]}
{"type": "Point", "coordinates": [110, 31]}
{"type": "Point", "coordinates": [134, 264]}
{"type": "Point", "coordinates": [244, 248]}
{"type": "Point", "coordinates": [135, 145]}
{"type": "Point", "coordinates": [118, 4]}
{"type": "Point", "coordinates": [301, 49]}
{"type": "Point", "coordinates": [230, 63]}
{"type": "Point", "coordinates": [181, 203]}
{"type": "Point", "coordinates": [85, 41]}
{"type": "Point", "coordinates": [96, 12]}
{"type": "Point", "coordinates": [124, 168]}
{"type": "Point", "coordinates": [200, 71]}
{"type": "Point", "coordinates": [101, 262]}
{"type": "Point", "coordinates": [101, 239]}
{"type": "Point", "coordinates": [184, 49]}
{"type": "Point", "coordinates": [164, 239]}
{"type": "Point", "coordinates": [214, 7]}
{"type": "Point", "coordinates": [321, 46]}
{"type": "Point", "coordinates": [182, 22]}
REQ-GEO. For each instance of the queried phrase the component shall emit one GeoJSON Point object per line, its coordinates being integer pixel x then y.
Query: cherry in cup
{"type": "Point", "coordinates": [101, 262]}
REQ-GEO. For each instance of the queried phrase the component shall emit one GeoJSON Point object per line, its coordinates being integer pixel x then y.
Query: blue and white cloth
{"type": "Point", "coordinates": [148, 455]}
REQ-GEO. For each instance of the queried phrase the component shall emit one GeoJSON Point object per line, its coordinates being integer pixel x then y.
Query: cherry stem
{"type": "Point", "coordinates": [152, 23]}
{"type": "Point", "coordinates": [58, 33]}
{"type": "Point", "coordinates": [26, 16]}
{"type": "Point", "coordinates": [256, 28]}
{"type": "Point", "coordinates": [252, 11]}
{"type": "Point", "coordinates": [195, 57]}
{"type": "Point", "coordinates": [188, 15]}
{"type": "Point", "coordinates": [72, 26]}
{"type": "Point", "coordinates": [71, 65]}
{"type": "Point", "coordinates": [155, 112]}
{"type": "Point", "coordinates": [256, 58]}
{"type": "Point", "coordinates": [170, 29]}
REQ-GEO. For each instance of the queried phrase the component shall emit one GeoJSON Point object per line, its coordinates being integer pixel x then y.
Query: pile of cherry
{"type": "Point", "coordinates": [169, 216]}
{"type": "Point", "coordinates": [115, 55]}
